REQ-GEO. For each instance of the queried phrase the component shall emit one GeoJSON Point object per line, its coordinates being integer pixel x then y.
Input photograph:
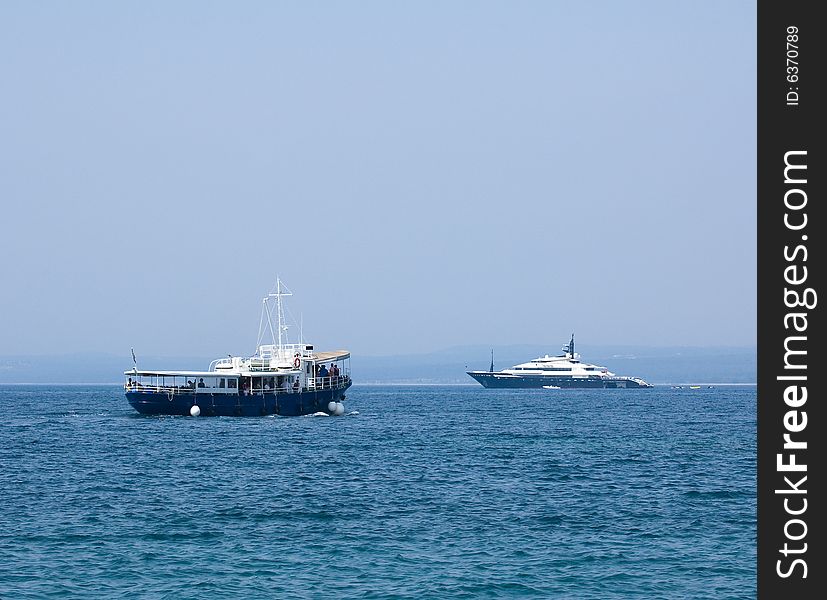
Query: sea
{"type": "Point", "coordinates": [416, 492]}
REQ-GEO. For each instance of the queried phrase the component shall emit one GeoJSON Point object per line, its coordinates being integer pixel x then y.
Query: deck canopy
{"type": "Point", "coordinates": [331, 356]}
{"type": "Point", "coordinates": [179, 373]}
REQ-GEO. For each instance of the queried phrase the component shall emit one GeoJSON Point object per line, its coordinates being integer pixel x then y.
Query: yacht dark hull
{"type": "Point", "coordinates": [148, 402]}
{"type": "Point", "coordinates": [505, 380]}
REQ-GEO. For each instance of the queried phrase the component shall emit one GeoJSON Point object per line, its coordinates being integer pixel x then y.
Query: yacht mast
{"type": "Point", "coordinates": [278, 296]}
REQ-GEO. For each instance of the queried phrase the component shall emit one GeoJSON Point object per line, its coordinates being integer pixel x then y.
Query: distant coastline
{"type": "Point", "coordinates": [365, 384]}
{"type": "Point", "coordinates": [660, 366]}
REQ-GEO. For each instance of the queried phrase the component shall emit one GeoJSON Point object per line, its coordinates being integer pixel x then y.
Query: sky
{"type": "Point", "coordinates": [420, 174]}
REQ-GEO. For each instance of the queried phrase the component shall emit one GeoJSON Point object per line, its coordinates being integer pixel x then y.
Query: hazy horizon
{"type": "Point", "coordinates": [552, 349]}
{"type": "Point", "coordinates": [722, 364]}
{"type": "Point", "coordinates": [421, 175]}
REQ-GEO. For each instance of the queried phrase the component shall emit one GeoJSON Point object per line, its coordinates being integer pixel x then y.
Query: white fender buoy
{"type": "Point", "coordinates": [331, 406]}
{"type": "Point", "coordinates": [339, 410]}
{"type": "Point", "coordinates": [195, 411]}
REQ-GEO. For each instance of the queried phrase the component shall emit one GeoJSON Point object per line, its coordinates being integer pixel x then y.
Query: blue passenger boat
{"type": "Point", "coordinates": [279, 379]}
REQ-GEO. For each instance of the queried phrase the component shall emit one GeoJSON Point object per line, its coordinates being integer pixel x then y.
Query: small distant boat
{"type": "Point", "coordinates": [552, 387]}
{"type": "Point", "coordinates": [551, 372]}
{"type": "Point", "coordinates": [279, 379]}
{"type": "Point", "coordinates": [694, 387]}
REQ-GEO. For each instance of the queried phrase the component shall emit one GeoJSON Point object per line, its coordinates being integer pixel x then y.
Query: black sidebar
{"type": "Point", "coordinates": [792, 223]}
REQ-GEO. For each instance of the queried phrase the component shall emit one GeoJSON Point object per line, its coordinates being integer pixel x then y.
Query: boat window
{"type": "Point", "coordinates": [221, 383]}
{"type": "Point", "coordinates": [232, 383]}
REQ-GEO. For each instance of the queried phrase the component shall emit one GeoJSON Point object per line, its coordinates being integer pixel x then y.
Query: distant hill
{"type": "Point", "coordinates": [85, 368]}
{"type": "Point", "coordinates": [656, 365]}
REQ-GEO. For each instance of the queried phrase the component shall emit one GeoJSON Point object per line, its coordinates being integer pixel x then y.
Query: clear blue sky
{"type": "Point", "coordinates": [421, 174]}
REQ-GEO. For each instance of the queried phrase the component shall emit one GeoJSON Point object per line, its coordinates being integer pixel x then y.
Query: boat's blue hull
{"type": "Point", "coordinates": [181, 402]}
{"type": "Point", "coordinates": [499, 380]}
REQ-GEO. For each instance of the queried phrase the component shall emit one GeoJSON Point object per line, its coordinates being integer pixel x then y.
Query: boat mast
{"type": "Point", "coordinates": [278, 296]}
{"type": "Point", "coordinates": [569, 348]}
{"type": "Point", "coordinates": [491, 370]}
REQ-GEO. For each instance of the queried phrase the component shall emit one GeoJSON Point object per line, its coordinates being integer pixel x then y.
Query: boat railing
{"type": "Point", "coordinates": [327, 383]}
{"type": "Point", "coordinates": [265, 366]}
{"type": "Point", "coordinates": [220, 361]}
{"type": "Point", "coordinates": [148, 387]}
{"type": "Point", "coordinates": [313, 383]}
{"type": "Point", "coordinates": [286, 351]}
{"type": "Point", "coordinates": [262, 360]}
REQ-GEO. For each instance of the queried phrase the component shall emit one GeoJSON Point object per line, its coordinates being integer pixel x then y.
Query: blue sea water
{"type": "Point", "coordinates": [429, 492]}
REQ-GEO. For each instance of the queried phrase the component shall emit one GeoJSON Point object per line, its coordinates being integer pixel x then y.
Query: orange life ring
{"type": "Point", "coordinates": [297, 362]}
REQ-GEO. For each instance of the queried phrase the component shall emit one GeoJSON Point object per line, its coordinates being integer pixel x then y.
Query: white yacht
{"type": "Point", "coordinates": [556, 372]}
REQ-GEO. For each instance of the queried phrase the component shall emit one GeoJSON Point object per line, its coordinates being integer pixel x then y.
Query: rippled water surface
{"type": "Point", "coordinates": [429, 492]}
